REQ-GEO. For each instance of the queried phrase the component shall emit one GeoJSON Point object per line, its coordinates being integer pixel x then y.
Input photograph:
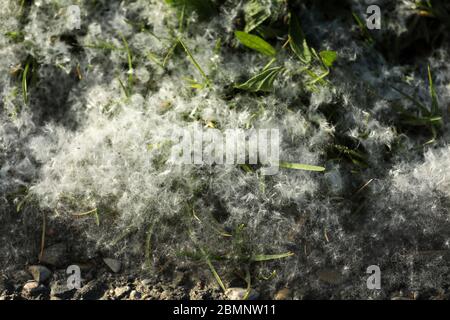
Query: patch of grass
{"type": "Point", "coordinates": [422, 116]}
{"type": "Point", "coordinates": [308, 57]}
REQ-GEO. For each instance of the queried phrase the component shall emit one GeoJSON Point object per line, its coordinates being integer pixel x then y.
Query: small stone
{"type": "Point", "coordinates": [40, 273]}
{"type": "Point", "coordinates": [165, 295]}
{"type": "Point", "coordinates": [33, 288]}
{"type": "Point", "coordinates": [135, 295]}
{"type": "Point", "coordinates": [240, 293]}
{"type": "Point", "coordinates": [55, 255]}
{"type": "Point", "coordinates": [121, 291]}
{"type": "Point", "coordinates": [283, 294]}
{"type": "Point", "coordinates": [113, 264]}
{"type": "Point", "coordinates": [147, 282]}
{"type": "Point", "coordinates": [30, 286]}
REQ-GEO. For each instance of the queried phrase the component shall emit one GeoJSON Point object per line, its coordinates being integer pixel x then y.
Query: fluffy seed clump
{"type": "Point", "coordinates": [88, 117]}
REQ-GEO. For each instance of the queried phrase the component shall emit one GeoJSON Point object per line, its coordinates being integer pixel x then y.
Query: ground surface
{"type": "Point", "coordinates": [91, 93]}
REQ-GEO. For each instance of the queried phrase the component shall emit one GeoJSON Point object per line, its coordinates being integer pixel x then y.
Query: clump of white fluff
{"type": "Point", "coordinates": [97, 133]}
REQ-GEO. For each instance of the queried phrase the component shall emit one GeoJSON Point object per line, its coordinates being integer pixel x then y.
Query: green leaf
{"type": "Point", "coordinates": [300, 166]}
{"type": "Point", "coordinates": [262, 81]}
{"type": "Point", "coordinates": [328, 57]}
{"type": "Point", "coordinates": [256, 43]}
{"type": "Point", "coordinates": [266, 257]}
{"type": "Point", "coordinates": [255, 13]}
{"type": "Point", "coordinates": [298, 42]}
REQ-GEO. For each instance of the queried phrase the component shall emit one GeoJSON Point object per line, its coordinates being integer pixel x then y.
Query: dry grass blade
{"type": "Point", "coordinates": [93, 211]}
{"type": "Point", "coordinates": [44, 227]}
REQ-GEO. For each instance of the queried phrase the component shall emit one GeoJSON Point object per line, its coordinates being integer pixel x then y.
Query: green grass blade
{"type": "Point", "coordinates": [194, 62]}
{"type": "Point", "coordinates": [365, 32]}
{"type": "Point", "coordinates": [434, 99]}
{"type": "Point", "coordinates": [414, 101]}
{"type": "Point", "coordinates": [215, 274]}
{"type": "Point", "coordinates": [125, 90]}
{"type": "Point", "coordinates": [151, 56]}
{"type": "Point", "coordinates": [267, 257]}
{"type": "Point", "coordinates": [24, 83]}
{"type": "Point", "coordinates": [317, 78]}
{"type": "Point", "coordinates": [169, 53]}
{"type": "Point", "coordinates": [130, 65]}
{"type": "Point", "coordinates": [300, 166]}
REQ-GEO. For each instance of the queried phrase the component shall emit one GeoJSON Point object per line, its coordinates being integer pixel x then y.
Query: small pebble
{"type": "Point", "coordinates": [113, 264]}
{"type": "Point", "coordinates": [239, 294]}
{"type": "Point", "coordinates": [135, 295]}
{"type": "Point", "coordinates": [283, 294]}
{"type": "Point", "coordinates": [40, 273]}
{"type": "Point", "coordinates": [121, 291]}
